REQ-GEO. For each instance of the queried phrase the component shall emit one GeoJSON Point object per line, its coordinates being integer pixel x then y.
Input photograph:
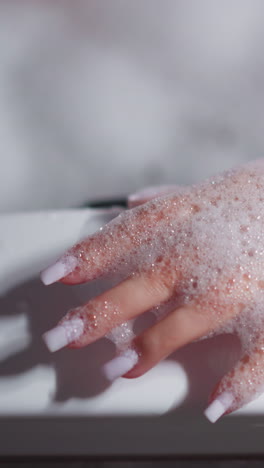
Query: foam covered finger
{"type": "Point", "coordinates": [98, 254]}
{"type": "Point", "coordinates": [85, 324]}
{"type": "Point", "coordinates": [239, 386]}
{"type": "Point", "coordinates": [177, 329]}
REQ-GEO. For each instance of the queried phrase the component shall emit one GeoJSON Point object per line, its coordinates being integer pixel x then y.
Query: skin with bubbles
{"type": "Point", "coordinates": [194, 255]}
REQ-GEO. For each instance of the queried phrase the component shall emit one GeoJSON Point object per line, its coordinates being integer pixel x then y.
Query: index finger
{"type": "Point", "coordinates": [117, 246]}
{"type": "Point", "coordinates": [98, 254]}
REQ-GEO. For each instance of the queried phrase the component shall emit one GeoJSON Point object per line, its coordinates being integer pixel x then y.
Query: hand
{"type": "Point", "coordinates": [197, 256]}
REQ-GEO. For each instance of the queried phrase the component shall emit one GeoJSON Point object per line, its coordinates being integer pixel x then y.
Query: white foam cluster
{"type": "Point", "coordinates": [209, 243]}
{"type": "Point", "coordinates": [122, 335]}
{"type": "Point", "coordinates": [213, 236]}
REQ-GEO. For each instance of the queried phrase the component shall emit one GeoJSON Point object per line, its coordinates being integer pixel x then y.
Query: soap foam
{"type": "Point", "coordinates": [122, 335]}
{"type": "Point", "coordinates": [208, 243]}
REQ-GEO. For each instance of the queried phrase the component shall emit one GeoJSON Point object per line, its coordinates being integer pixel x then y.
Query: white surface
{"type": "Point", "coordinates": [70, 384]}
{"type": "Point", "coordinates": [28, 242]}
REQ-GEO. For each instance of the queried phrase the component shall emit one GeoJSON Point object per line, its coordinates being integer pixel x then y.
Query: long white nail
{"type": "Point", "coordinates": [58, 270]}
{"type": "Point", "coordinates": [63, 334]}
{"type": "Point", "coordinates": [219, 406]}
{"type": "Point", "coordinates": [120, 365]}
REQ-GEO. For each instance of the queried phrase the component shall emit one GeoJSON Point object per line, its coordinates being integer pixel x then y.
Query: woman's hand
{"type": "Point", "coordinates": [196, 255]}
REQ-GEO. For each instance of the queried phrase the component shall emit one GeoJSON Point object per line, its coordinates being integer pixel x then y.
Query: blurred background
{"type": "Point", "coordinates": [99, 98]}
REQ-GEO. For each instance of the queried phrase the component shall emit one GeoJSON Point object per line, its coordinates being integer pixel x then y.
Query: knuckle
{"type": "Point", "coordinates": [158, 286]}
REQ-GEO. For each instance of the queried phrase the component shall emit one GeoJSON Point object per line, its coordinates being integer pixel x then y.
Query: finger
{"type": "Point", "coordinates": [116, 247]}
{"type": "Point", "coordinates": [180, 327]}
{"type": "Point", "coordinates": [143, 196]}
{"type": "Point", "coordinates": [95, 319]}
{"type": "Point", "coordinates": [99, 253]}
{"type": "Point", "coordinates": [239, 386]}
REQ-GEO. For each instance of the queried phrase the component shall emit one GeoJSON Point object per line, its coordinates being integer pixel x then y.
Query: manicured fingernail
{"type": "Point", "coordinates": [58, 270]}
{"type": "Point", "coordinates": [219, 406]}
{"type": "Point", "coordinates": [63, 334]}
{"type": "Point", "coordinates": [120, 365]}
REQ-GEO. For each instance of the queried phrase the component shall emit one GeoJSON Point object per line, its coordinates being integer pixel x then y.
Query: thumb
{"type": "Point", "coordinates": [239, 386]}
{"type": "Point", "coordinates": [147, 194]}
